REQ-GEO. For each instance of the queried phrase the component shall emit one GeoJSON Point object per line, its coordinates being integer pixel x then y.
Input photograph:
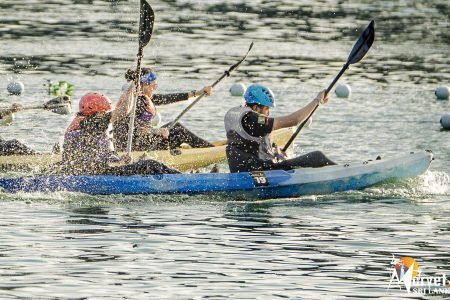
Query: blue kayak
{"type": "Point", "coordinates": [259, 185]}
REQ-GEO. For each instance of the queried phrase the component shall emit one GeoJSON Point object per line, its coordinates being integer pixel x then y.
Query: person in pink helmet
{"type": "Point", "coordinates": [88, 146]}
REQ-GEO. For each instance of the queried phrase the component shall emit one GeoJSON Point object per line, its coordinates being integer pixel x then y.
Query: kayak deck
{"type": "Point", "coordinates": [184, 160]}
{"type": "Point", "coordinates": [260, 185]}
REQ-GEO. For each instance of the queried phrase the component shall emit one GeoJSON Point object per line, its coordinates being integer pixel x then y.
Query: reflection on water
{"type": "Point", "coordinates": [336, 245]}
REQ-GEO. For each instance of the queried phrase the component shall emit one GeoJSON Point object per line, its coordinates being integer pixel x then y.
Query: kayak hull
{"type": "Point", "coordinates": [259, 185]}
{"type": "Point", "coordinates": [183, 160]}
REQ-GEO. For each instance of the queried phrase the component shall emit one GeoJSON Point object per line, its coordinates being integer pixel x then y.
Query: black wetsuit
{"type": "Point", "coordinates": [14, 147]}
{"type": "Point", "coordinates": [88, 150]}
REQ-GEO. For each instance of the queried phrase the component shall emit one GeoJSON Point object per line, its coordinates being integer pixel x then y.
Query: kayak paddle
{"type": "Point", "coordinates": [60, 109]}
{"type": "Point", "coordinates": [359, 50]}
{"type": "Point", "coordinates": [225, 74]}
{"type": "Point", "coordinates": [55, 105]}
{"type": "Point", "coordinates": [60, 105]}
{"type": "Point", "coordinates": [146, 21]}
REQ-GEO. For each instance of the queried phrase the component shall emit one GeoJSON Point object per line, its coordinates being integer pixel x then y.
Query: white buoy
{"type": "Point", "coordinates": [442, 92]}
{"type": "Point", "coordinates": [156, 120]}
{"type": "Point", "coordinates": [445, 121]}
{"type": "Point", "coordinates": [15, 87]}
{"type": "Point", "coordinates": [7, 120]}
{"type": "Point", "coordinates": [125, 87]}
{"type": "Point", "coordinates": [343, 90]}
{"type": "Point", "coordinates": [237, 89]}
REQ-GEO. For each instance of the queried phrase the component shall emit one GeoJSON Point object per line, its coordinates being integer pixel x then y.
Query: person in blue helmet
{"type": "Point", "coordinates": [146, 137]}
{"type": "Point", "coordinates": [249, 127]}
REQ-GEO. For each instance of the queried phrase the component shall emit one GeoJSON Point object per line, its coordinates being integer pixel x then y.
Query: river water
{"type": "Point", "coordinates": [68, 245]}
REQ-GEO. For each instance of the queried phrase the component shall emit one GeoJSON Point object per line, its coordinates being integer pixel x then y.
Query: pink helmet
{"type": "Point", "coordinates": [92, 103]}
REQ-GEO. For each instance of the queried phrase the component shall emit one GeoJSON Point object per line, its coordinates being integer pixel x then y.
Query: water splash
{"type": "Point", "coordinates": [436, 183]}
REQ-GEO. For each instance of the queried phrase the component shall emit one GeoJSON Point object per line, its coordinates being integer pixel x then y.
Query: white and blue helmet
{"type": "Point", "coordinates": [259, 94]}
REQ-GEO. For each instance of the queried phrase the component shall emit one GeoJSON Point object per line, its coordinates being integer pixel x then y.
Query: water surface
{"type": "Point", "coordinates": [67, 245]}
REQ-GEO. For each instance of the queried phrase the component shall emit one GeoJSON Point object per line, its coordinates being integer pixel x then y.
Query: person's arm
{"type": "Point", "coordinates": [300, 115]}
{"type": "Point", "coordinates": [163, 99]}
{"type": "Point", "coordinates": [123, 106]}
{"type": "Point", "coordinates": [8, 111]}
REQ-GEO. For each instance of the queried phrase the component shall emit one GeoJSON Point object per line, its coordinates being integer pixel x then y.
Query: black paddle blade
{"type": "Point", "coordinates": [145, 24]}
{"type": "Point", "coordinates": [363, 44]}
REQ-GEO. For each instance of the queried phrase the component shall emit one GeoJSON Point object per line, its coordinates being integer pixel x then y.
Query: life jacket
{"type": "Point", "coordinates": [244, 151]}
{"type": "Point", "coordinates": [88, 143]}
{"type": "Point", "coordinates": [144, 115]}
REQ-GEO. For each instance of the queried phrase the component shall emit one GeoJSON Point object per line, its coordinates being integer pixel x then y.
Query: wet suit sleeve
{"type": "Point", "coordinates": [257, 125]}
{"type": "Point", "coordinates": [163, 99]}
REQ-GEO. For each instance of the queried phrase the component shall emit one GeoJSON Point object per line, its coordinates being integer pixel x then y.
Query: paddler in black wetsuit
{"type": "Point", "coordinates": [146, 137]}
{"type": "Point", "coordinates": [88, 147]}
{"type": "Point", "coordinates": [249, 129]}
{"type": "Point", "coordinates": [12, 147]}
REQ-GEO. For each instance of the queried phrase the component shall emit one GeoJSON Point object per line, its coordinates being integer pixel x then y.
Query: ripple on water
{"type": "Point", "coordinates": [65, 245]}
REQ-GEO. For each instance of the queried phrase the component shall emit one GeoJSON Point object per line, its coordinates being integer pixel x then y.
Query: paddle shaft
{"type": "Point", "coordinates": [196, 100]}
{"type": "Point", "coordinates": [133, 101]}
{"type": "Point", "coordinates": [299, 128]}
{"type": "Point", "coordinates": [49, 107]}
{"type": "Point", "coordinates": [6, 112]}
{"type": "Point", "coordinates": [225, 74]}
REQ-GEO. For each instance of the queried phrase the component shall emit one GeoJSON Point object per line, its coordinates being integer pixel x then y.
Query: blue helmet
{"type": "Point", "coordinates": [259, 94]}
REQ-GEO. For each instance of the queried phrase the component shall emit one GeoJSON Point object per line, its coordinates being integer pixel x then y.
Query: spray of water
{"type": "Point", "coordinates": [436, 183]}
